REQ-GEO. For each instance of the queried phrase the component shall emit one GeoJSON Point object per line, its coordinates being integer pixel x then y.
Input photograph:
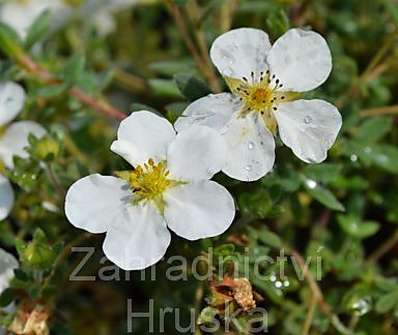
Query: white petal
{"type": "Point", "coordinates": [301, 60]}
{"type": "Point", "coordinates": [308, 127]}
{"type": "Point", "coordinates": [214, 110]}
{"type": "Point", "coordinates": [250, 148]}
{"type": "Point", "coordinates": [94, 202]}
{"type": "Point", "coordinates": [137, 240]}
{"type": "Point", "coordinates": [196, 153]}
{"type": "Point", "coordinates": [143, 135]}
{"type": "Point", "coordinates": [6, 197]}
{"type": "Point", "coordinates": [239, 52]}
{"type": "Point", "coordinates": [12, 99]}
{"type": "Point", "coordinates": [8, 264]}
{"type": "Point", "coordinates": [15, 140]}
{"type": "Point", "coordinates": [199, 209]}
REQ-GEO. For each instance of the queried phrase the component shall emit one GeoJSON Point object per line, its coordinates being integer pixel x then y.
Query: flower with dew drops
{"type": "Point", "coordinates": [13, 138]}
{"type": "Point", "coordinates": [169, 187]}
{"type": "Point", "coordinates": [265, 83]}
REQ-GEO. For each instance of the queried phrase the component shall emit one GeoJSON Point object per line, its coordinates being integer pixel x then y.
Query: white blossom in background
{"type": "Point", "coordinates": [168, 188]}
{"type": "Point", "coordinates": [20, 15]}
{"type": "Point", "coordinates": [13, 138]}
{"type": "Point", "coordinates": [266, 82]}
{"type": "Point", "coordinates": [103, 12]}
{"type": "Point", "coordinates": [8, 263]}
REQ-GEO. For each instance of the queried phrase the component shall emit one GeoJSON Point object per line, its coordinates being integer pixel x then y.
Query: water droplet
{"type": "Point", "coordinates": [307, 119]}
{"type": "Point", "coordinates": [278, 284]}
{"type": "Point", "coordinates": [354, 158]}
{"type": "Point", "coordinates": [272, 277]}
{"type": "Point", "coordinates": [286, 283]}
{"type": "Point", "coordinates": [368, 150]}
{"type": "Point", "coordinates": [311, 183]}
{"type": "Point", "coordinates": [248, 167]}
{"type": "Point", "coordinates": [250, 145]}
{"type": "Point", "coordinates": [362, 306]}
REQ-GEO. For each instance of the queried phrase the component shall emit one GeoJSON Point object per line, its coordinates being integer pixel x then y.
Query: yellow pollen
{"type": "Point", "coordinates": [261, 96]}
{"type": "Point", "coordinates": [148, 182]}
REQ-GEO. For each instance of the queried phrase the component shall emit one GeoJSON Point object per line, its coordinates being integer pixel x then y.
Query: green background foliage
{"type": "Point", "coordinates": [344, 210]}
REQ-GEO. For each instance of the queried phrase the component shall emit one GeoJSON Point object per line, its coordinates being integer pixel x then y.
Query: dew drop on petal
{"type": "Point", "coordinates": [250, 145]}
{"type": "Point", "coordinates": [307, 119]}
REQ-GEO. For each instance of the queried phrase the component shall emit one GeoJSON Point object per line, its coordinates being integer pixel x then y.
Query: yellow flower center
{"type": "Point", "coordinates": [149, 181]}
{"type": "Point", "coordinates": [261, 95]}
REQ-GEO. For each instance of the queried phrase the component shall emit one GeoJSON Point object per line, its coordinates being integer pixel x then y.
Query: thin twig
{"type": "Point", "coordinates": [372, 71]}
{"type": "Point", "coordinates": [384, 248]}
{"type": "Point", "coordinates": [317, 294]}
{"type": "Point", "coordinates": [100, 106]}
{"type": "Point", "coordinates": [310, 316]}
{"type": "Point", "coordinates": [205, 68]}
{"type": "Point", "coordinates": [203, 47]}
{"type": "Point", "coordinates": [55, 181]}
{"type": "Point", "coordinates": [388, 110]}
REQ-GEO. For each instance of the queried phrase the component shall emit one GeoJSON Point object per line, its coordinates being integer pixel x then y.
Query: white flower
{"type": "Point", "coordinates": [104, 11]}
{"type": "Point", "coordinates": [8, 264]}
{"type": "Point", "coordinates": [20, 15]}
{"type": "Point", "coordinates": [13, 138]}
{"type": "Point", "coordinates": [169, 187]}
{"type": "Point", "coordinates": [265, 82]}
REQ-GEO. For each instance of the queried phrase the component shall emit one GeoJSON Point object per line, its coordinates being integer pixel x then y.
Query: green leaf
{"type": "Point", "coordinates": [269, 238]}
{"type": "Point", "coordinates": [357, 228]}
{"type": "Point", "coordinates": [164, 88]}
{"type": "Point", "coordinates": [171, 68]}
{"type": "Point", "coordinates": [10, 42]}
{"type": "Point", "coordinates": [323, 195]}
{"type": "Point", "coordinates": [384, 156]}
{"type": "Point", "coordinates": [38, 29]}
{"type": "Point", "coordinates": [192, 88]}
{"type": "Point", "coordinates": [256, 203]}
{"type": "Point", "coordinates": [7, 297]}
{"type": "Point", "coordinates": [374, 129]}
{"type": "Point", "coordinates": [323, 173]}
{"type": "Point", "coordinates": [74, 69]}
{"type": "Point", "coordinates": [224, 250]}
{"type": "Point", "coordinates": [387, 302]}
{"type": "Point", "coordinates": [207, 315]}
{"type": "Point", "coordinates": [174, 110]}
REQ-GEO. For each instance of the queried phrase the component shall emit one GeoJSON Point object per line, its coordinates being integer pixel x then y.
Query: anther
{"type": "Point", "coordinates": [274, 108]}
{"type": "Point", "coordinates": [245, 79]}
